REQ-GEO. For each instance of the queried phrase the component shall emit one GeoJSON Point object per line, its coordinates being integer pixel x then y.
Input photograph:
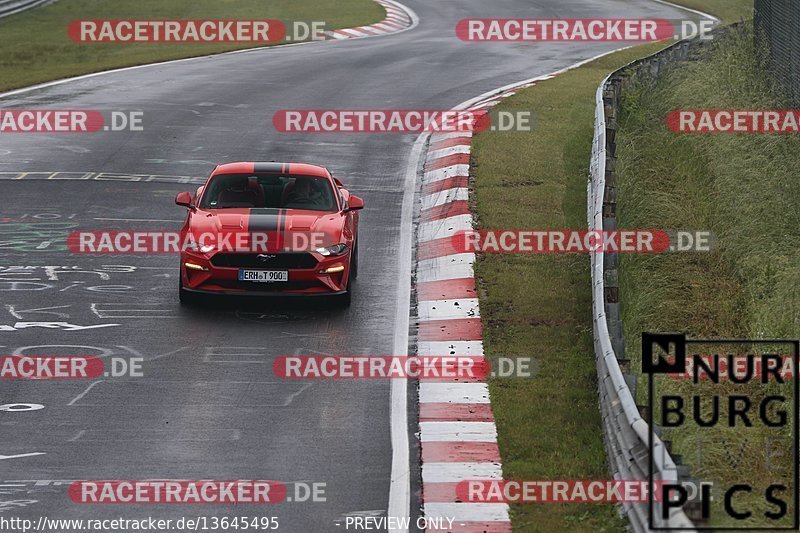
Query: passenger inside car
{"type": "Point", "coordinates": [238, 193]}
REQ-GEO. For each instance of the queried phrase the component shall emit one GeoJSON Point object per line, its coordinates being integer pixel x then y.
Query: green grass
{"type": "Point", "coordinates": [727, 10]}
{"type": "Point", "coordinates": [34, 46]}
{"type": "Point", "coordinates": [540, 305]}
{"type": "Point", "coordinates": [741, 187]}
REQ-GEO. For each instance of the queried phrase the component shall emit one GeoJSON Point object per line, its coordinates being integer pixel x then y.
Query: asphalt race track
{"type": "Point", "coordinates": [209, 406]}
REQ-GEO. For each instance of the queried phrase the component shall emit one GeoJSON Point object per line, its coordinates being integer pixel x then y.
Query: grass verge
{"type": "Point", "coordinates": [727, 10]}
{"type": "Point", "coordinates": [742, 188]}
{"type": "Point", "coordinates": [34, 46]}
{"type": "Point", "coordinates": [540, 305]}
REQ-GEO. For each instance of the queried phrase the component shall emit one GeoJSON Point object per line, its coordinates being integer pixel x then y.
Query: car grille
{"type": "Point", "coordinates": [288, 261]}
{"type": "Point", "coordinates": [284, 286]}
{"type": "Point", "coordinates": [276, 287]}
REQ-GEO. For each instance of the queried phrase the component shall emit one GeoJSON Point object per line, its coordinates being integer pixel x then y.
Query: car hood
{"type": "Point", "coordinates": [286, 229]}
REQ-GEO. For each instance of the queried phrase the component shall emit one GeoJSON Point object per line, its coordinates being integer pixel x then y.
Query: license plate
{"type": "Point", "coordinates": [264, 276]}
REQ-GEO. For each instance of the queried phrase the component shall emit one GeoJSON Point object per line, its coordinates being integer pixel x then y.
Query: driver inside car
{"type": "Point", "coordinates": [301, 193]}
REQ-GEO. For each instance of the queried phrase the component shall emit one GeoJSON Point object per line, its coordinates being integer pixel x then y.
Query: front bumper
{"type": "Point", "coordinates": [264, 294]}
{"type": "Point", "coordinates": [312, 280]}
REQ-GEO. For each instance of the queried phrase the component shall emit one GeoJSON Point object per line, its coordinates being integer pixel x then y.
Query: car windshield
{"type": "Point", "coordinates": [269, 191]}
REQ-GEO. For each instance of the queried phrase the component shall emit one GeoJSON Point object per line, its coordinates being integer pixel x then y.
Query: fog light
{"type": "Point", "coordinates": [194, 266]}
{"type": "Point", "coordinates": [333, 270]}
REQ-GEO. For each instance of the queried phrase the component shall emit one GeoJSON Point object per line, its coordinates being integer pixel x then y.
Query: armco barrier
{"type": "Point", "coordinates": [625, 430]}
{"type": "Point", "coordinates": [10, 7]}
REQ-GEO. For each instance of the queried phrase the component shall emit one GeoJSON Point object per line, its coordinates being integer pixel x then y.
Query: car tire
{"type": "Point", "coordinates": [346, 298]}
{"type": "Point", "coordinates": [354, 263]}
{"type": "Point", "coordinates": [186, 298]}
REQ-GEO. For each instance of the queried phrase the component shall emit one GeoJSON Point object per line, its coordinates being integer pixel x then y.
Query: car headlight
{"type": "Point", "coordinates": [192, 246]}
{"type": "Point", "coordinates": [333, 251]}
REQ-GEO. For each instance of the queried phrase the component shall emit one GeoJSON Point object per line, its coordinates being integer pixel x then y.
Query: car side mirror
{"type": "Point", "coordinates": [356, 203]}
{"type": "Point", "coordinates": [184, 199]}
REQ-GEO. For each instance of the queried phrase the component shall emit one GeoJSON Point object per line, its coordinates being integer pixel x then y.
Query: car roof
{"type": "Point", "coordinates": [273, 167]}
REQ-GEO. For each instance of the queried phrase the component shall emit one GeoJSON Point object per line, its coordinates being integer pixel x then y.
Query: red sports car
{"type": "Point", "coordinates": [265, 229]}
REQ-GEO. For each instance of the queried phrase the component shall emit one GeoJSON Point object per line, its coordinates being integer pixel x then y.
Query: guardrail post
{"type": "Point", "coordinates": [625, 425]}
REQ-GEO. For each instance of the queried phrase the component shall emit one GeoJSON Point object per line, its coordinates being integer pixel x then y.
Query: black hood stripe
{"type": "Point", "coordinates": [275, 168]}
{"type": "Point", "coordinates": [271, 223]}
{"type": "Point", "coordinates": [263, 221]}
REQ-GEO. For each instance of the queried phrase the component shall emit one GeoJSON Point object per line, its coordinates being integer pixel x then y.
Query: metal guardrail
{"type": "Point", "coordinates": [11, 7]}
{"type": "Point", "coordinates": [625, 431]}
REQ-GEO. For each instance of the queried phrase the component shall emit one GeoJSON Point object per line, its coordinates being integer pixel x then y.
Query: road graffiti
{"type": "Point", "coordinates": [19, 408]}
{"type": "Point", "coordinates": [102, 176]}
{"type": "Point", "coordinates": [61, 278]}
{"type": "Point", "coordinates": [9, 505]}
{"type": "Point", "coordinates": [63, 326]}
{"type": "Point", "coordinates": [57, 272]}
{"type": "Point", "coordinates": [35, 236]}
{"type": "Point", "coordinates": [40, 216]}
{"type": "Point", "coordinates": [80, 349]}
{"type": "Point", "coordinates": [134, 310]}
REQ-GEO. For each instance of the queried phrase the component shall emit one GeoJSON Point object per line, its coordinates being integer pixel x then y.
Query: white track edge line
{"type": "Point", "coordinates": [400, 484]}
{"type": "Point", "coordinates": [689, 9]}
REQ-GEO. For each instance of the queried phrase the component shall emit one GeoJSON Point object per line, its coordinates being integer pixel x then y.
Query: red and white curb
{"type": "Point", "coordinates": [398, 18]}
{"type": "Point", "coordinates": [458, 436]}
{"type": "Point", "coordinates": [457, 432]}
